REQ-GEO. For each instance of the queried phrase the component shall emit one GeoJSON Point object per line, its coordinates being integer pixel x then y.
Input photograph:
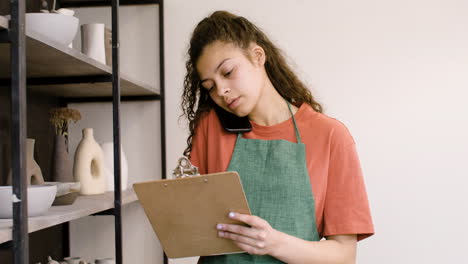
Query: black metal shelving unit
{"type": "Point", "coordinates": [17, 39]}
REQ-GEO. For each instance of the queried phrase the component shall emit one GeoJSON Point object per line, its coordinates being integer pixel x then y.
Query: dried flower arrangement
{"type": "Point", "coordinates": [60, 117]}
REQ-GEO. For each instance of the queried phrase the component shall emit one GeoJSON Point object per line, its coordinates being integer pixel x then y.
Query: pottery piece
{"type": "Point", "coordinates": [73, 260]}
{"type": "Point", "coordinates": [61, 168]}
{"type": "Point", "coordinates": [108, 150]}
{"type": "Point", "coordinates": [51, 261]}
{"type": "Point", "coordinates": [40, 198]}
{"type": "Point", "coordinates": [105, 261]}
{"type": "Point", "coordinates": [59, 28]}
{"type": "Point", "coordinates": [92, 41]}
{"type": "Point", "coordinates": [108, 46]}
{"type": "Point", "coordinates": [88, 168]}
{"type": "Point", "coordinates": [33, 171]}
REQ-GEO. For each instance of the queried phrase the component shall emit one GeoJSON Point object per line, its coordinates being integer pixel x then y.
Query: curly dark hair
{"type": "Point", "coordinates": [229, 28]}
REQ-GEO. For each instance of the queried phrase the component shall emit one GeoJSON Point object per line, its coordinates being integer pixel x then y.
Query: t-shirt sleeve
{"type": "Point", "coordinates": [346, 204]}
{"type": "Point", "coordinates": [198, 155]}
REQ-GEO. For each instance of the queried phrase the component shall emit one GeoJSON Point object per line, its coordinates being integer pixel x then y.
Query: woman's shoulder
{"type": "Point", "coordinates": [317, 123]}
{"type": "Point", "coordinates": [209, 124]}
{"type": "Point", "coordinates": [208, 119]}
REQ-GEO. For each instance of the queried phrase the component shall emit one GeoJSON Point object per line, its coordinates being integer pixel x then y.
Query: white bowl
{"type": "Point", "coordinates": [65, 187]}
{"type": "Point", "coordinates": [40, 198]}
{"type": "Point", "coordinates": [57, 27]}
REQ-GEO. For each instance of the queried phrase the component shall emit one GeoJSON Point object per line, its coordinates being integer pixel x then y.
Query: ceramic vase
{"type": "Point", "coordinates": [61, 169]}
{"type": "Point", "coordinates": [33, 171]}
{"type": "Point", "coordinates": [73, 260]}
{"type": "Point", "coordinates": [88, 168]}
{"type": "Point", "coordinates": [92, 41]}
{"type": "Point", "coordinates": [105, 261]}
{"type": "Point", "coordinates": [51, 261]}
{"type": "Point", "coordinates": [108, 149]}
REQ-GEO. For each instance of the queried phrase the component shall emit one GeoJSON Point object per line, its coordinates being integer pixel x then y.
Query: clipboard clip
{"type": "Point", "coordinates": [185, 169]}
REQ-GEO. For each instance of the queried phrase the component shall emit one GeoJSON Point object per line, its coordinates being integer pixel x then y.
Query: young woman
{"type": "Point", "coordinates": [299, 167]}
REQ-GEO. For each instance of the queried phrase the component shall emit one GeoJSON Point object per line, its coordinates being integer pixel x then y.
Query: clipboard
{"type": "Point", "coordinates": [184, 211]}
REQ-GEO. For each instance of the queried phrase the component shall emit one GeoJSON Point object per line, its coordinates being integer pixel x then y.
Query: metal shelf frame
{"type": "Point", "coordinates": [16, 37]}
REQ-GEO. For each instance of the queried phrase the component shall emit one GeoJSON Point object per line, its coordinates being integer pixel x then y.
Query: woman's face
{"type": "Point", "coordinates": [234, 82]}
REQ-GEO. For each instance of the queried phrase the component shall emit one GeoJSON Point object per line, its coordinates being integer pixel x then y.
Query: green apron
{"type": "Point", "coordinates": [277, 186]}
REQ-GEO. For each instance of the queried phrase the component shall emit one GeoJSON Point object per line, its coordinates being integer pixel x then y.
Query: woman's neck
{"type": "Point", "coordinates": [271, 107]}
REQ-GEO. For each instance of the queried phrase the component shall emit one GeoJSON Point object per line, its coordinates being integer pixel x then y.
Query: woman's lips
{"type": "Point", "coordinates": [234, 103]}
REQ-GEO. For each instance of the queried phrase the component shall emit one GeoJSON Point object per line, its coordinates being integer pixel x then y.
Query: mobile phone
{"type": "Point", "coordinates": [232, 123]}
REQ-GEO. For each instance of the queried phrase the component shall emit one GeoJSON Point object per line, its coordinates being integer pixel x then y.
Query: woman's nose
{"type": "Point", "coordinates": [223, 90]}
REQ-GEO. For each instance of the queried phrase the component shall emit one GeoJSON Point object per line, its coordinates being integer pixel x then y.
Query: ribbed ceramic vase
{"type": "Point", "coordinates": [88, 168]}
{"type": "Point", "coordinates": [61, 169]}
{"type": "Point", "coordinates": [33, 171]}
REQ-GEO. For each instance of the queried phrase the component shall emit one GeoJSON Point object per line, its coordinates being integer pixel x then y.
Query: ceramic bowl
{"type": "Point", "coordinates": [57, 27]}
{"type": "Point", "coordinates": [40, 198]}
{"type": "Point", "coordinates": [64, 188]}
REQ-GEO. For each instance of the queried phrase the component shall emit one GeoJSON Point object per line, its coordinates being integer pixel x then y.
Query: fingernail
{"type": "Point", "coordinates": [221, 234]}
{"type": "Point", "coordinates": [219, 226]}
{"type": "Point", "coordinates": [232, 214]}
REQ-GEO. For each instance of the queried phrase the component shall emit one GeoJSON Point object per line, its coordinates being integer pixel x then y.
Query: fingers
{"type": "Point", "coordinates": [242, 230]}
{"type": "Point", "coordinates": [242, 239]}
{"type": "Point", "coordinates": [254, 239]}
{"type": "Point", "coordinates": [252, 220]}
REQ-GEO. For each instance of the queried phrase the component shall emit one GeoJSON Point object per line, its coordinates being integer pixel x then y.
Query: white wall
{"type": "Point", "coordinates": [93, 237]}
{"type": "Point", "coordinates": [392, 71]}
{"type": "Point", "coordinates": [395, 72]}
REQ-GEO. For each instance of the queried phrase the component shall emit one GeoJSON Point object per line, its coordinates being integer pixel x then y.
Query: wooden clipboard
{"type": "Point", "coordinates": [184, 212]}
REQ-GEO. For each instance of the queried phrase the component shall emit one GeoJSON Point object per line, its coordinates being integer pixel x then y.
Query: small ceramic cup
{"type": "Point", "coordinates": [105, 261]}
{"type": "Point", "coordinates": [72, 260]}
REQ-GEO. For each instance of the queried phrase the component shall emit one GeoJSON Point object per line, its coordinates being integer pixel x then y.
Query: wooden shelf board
{"type": "Point", "coordinates": [93, 3]}
{"type": "Point", "coordinates": [83, 206]}
{"type": "Point", "coordinates": [47, 58]}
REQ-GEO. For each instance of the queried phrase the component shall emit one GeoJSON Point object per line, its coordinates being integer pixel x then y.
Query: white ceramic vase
{"type": "Point", "coordinates": [105, 261]}
{"type": "Point", "coordinates": [92, 41]}
{"type": "Point", "coordinates": [89, 165]}
{"type": "Point", "coordinates": [108, 149]}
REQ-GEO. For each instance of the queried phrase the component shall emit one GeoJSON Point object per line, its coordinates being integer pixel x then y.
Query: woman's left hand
{"type": "Point", "coordinates": [258, 239]}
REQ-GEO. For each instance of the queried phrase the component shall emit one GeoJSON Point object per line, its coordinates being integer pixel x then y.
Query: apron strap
{"type": "Point", "coordinates": [298, 135]}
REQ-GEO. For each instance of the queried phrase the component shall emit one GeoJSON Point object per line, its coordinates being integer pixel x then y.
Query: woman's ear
{"type": "Point", "coordinates": [257, 54]}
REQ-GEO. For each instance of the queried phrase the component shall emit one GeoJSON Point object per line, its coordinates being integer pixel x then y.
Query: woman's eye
{"type": "Point", "coordinates": [228, 73]}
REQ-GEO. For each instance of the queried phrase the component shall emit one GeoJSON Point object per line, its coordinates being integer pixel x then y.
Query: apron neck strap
{"type": "Point", "coordinates": [298, 135]}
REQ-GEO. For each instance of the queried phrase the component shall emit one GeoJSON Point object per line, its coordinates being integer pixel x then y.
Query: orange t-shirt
{"type": "Point", "coordinates": [335, 173]}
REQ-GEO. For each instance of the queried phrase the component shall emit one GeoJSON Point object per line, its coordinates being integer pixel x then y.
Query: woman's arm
{"type": "Point", "coordinates": [336, 249]}
{"type": "Point", "coordinates": [261, 239]}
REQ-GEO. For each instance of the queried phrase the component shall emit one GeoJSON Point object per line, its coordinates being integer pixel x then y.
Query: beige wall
{"type": "Point", "coordinates": [393, 71]}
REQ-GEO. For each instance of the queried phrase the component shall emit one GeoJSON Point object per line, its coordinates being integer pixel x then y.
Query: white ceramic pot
{"type": "Point", "coordinates": [40, 198]}
{"type": "Point", "coordinates": [92, 41]}
{"type": "Point", "coordinates": [105, 261]}
{"type": "Point", "coordinates": [108, 150]}
{"type": "Point", "coordinates": [57, 27]}
{"type": "Point", "coordinates": [73, 260]}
